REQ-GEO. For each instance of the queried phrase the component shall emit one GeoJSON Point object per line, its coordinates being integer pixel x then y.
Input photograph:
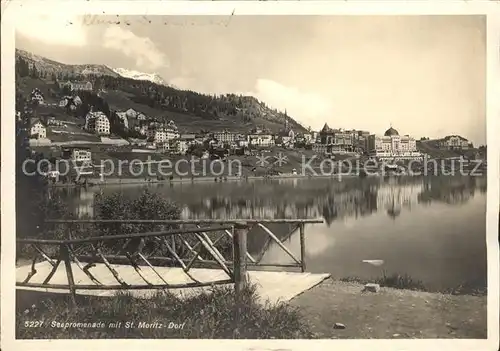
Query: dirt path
{"type": "Point", "coordinates": [391, 313]}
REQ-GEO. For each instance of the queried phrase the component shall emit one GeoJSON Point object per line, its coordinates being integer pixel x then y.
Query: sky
{"type": "Point", "coordinates": [424, 75]}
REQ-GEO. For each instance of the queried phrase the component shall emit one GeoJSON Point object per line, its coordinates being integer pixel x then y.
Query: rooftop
{"type": "Point", "coordinates": [454, 136]}
{"type": "Point", "coordinates": [391, 132]}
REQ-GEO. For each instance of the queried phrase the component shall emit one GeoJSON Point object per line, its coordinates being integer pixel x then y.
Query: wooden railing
{"type": "Point", "coordinates": [186, 244]}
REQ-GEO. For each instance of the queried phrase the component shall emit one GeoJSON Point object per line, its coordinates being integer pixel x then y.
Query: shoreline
{"type": "Point", "coordinates": [218, 179]}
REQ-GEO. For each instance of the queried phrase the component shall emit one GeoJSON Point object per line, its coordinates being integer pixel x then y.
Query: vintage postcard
{"type": "Point", "coordinates": [250, 175]}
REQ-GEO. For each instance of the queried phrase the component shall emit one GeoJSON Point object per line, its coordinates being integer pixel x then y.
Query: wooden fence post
{"type": "Point", "coordinates": [69, 273]}
{"type": "Point", "coordinates": [240, 257]}
{"type": "Point", "coordinates": [302, 248]}
{"type": "Point", "coordinates": [240, 231]}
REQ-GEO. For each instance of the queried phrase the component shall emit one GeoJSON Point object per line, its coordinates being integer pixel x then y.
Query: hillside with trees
{"type": "Point", "coordinates": [188, 109]}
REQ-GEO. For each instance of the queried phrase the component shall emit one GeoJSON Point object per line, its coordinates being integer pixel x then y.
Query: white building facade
{"type": "Point", "coordinates": [263, 140]}
{"type": "Point", "coordinates": [157, 135]}
{"type": "Point", "coordinates": [225, 136]}
{"type": "Point", "coordinates": [454, 142]}
{"type": "Point", "coordinates": [162, 135]}
{"type": "Point", "coordinates": [78, 154]}
{"type": "Point", "coordinates": [38, 129]}
{"type": "Point", "coordinates": [171, 133]}
{"type": "Point", "coordinates": [98, 123]}
{"type": "Point", "coordinates": [391, 145]}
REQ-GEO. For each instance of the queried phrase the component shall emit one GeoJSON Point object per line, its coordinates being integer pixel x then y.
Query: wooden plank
{"type": "Point", "coordinates": [302, 247]}
{"type": "Point", "coordinates": [272, 286]}
{"type": "Point", "coordinates": [117, 237]}
{"type": "Point", "coordinates": [69, 273]}
{"type": "Point", "coordinates": [280, 244]}
{"type": "Point", "coordinates": [239, 232]}
{"type": "Point", "coordinates": [248, 255]}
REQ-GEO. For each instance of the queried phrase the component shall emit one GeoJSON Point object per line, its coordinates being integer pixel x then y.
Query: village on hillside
{"type": "Point", "coordinates": [70, 117]}
{"type": "Point", "coordinates": [283, 177]}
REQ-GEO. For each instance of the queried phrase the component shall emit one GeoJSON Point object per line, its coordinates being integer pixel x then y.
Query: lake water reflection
{"type": "Point", "coordinates": [433, 229]}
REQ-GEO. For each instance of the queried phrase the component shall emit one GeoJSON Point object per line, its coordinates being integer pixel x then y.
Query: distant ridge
{"type": "Point", "coordinates": [50, 66]}
{"type": "Point", "coordinates": [148, 92]}
{"type": "Point", "coordinates": [152, 77]}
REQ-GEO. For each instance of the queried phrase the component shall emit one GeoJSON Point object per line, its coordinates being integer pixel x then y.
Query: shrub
{"type": "Point", "coordinates": [147, 206]}
{"type": "Point", "coordinates": [476, 287]}
{"type": "Point", "coordinates": [150, 206]}
{"type": "Point", "coordinates": [37, 207]}
{"type": "Point", "coordinates": [400, 281]}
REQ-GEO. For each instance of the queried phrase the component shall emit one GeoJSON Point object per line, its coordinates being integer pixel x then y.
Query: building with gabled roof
{"type": "Point", "coordinates": [76, 85]}
{"type": "Point", "coordinates": [38, 129]}
{"type": "Point", "coordinates": [36, 95]}
{"type": "Point", "coordinates": [454, 142]}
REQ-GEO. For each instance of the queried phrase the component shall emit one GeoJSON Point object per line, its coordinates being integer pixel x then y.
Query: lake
{"type": "Point", "coordinates": [433, 229]}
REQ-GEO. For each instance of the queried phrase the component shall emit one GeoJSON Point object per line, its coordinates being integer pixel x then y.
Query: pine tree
{"type": "Point", "coordinates": [22, 67]}
{"type": "Point", "coordinates": [34, 72]}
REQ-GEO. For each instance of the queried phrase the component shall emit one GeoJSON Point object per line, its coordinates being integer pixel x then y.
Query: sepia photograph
{"type": "Point", "coordinates": [225, 176]}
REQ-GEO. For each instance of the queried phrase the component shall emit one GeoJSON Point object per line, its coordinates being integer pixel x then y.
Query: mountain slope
{"type": "Point", "coordinates": [136, 75]}
{"type": "Point", "coordinates": [144, 92]}
{"type": "Point", "coordinates": [53, 67]}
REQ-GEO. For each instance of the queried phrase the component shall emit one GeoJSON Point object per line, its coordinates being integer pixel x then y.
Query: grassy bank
{"type": "Point", "coordinates": [389, 314]}
{"type": "Point", "coordinates": [208, 315]}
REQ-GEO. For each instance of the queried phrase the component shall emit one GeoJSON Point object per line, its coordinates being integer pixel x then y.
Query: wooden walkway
{"type": "Point", "coordinates": [271, 286]}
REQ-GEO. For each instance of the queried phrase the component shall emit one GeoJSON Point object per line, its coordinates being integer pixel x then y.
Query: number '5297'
{"type": "Point", "coordinates": [33, 324]}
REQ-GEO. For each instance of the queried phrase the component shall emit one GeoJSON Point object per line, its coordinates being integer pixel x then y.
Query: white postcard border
{"type": "Point", "coordinates": [13, 11]}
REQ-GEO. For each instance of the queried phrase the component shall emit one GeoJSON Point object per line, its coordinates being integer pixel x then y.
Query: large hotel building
{"type": "Point", "coordinates": [391, 145]}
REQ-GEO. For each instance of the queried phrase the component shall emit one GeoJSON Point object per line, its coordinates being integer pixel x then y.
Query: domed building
{"type": "Point", "coordinates": [390, 132]}
{"type": "Point", "coordinates": [391, 145]}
